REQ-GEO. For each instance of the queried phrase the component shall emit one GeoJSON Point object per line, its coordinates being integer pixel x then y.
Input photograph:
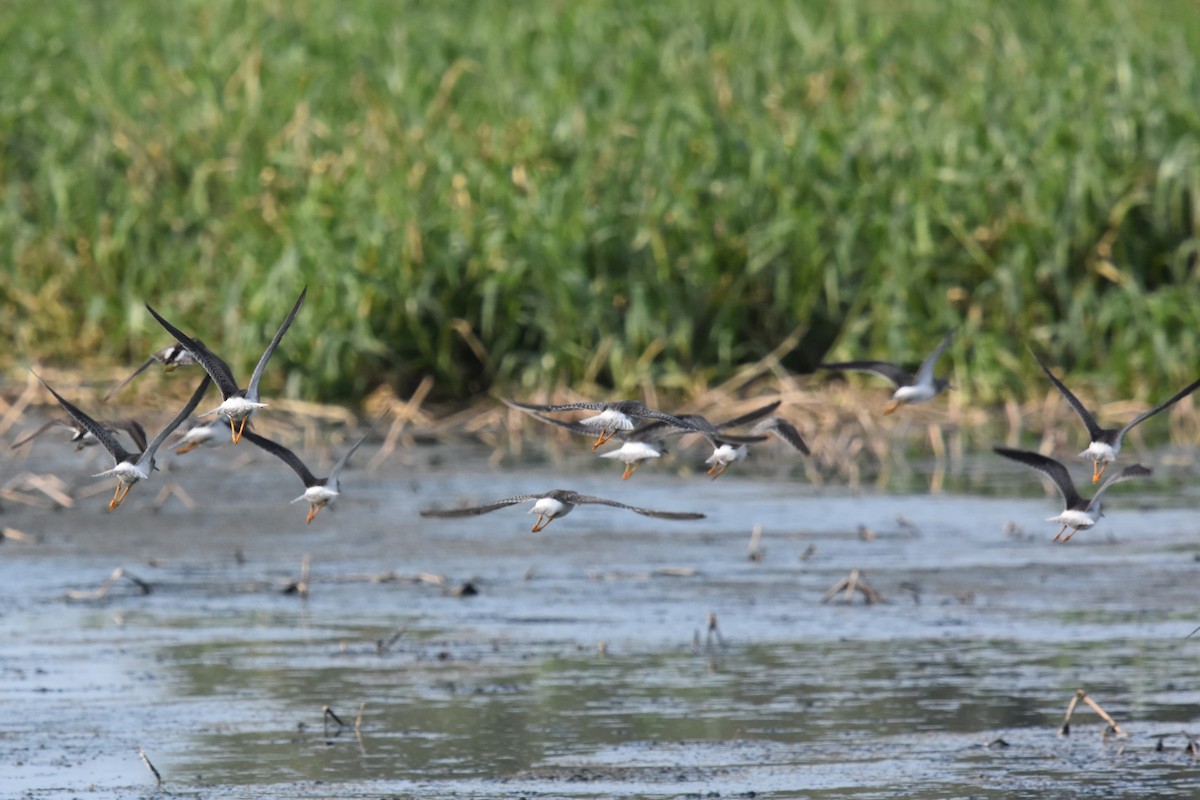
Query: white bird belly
{"type": "Point", "coordinates": [1074, 519]}
{"type": "Point", "coordinates": [913, 394]}
{"type": "Point", "coordinates": [236, 408]}
{"type": "Point", "coordinates": [609, 420]}
{"type": "Point", "coordinates": [726, 454]}
{"type": "Point", "coordinates": [1099, 451]}
{"type": "Point", "coordinates": [550, 507]}
{"type": "Point", "coordinates": [632, 452]}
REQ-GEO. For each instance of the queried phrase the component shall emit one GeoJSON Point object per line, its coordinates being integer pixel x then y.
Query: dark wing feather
{"type": "Point", "coordinates": [556, 407]}
{"type": "Point", "coordinates": [286, 456]}
{"type": "Point", "coordinates": [647, 512]}
{"type": "Point", "coordinates": [125, 382]}
{"type": "Point", "coordinates": [212, 363]}
{"type": "Point", "coordinates": [884, 369]}
{"type": "Point", "coordinates": [135, 431]}
{"type": "Point", "coordinates": [1146, 415]}
{"type": "Point", "coordinates": [1132, 471]}
{"type": "Point", "coordinates": [750, 416]}
{"type": "Point", "coordinates": [102, 434]}
{"type": "Point", "coordinates": [1094, 429]}
{"type": "Point", "coordinates": [784, 430]}
{"type": "Point", "coordinates": [1052, 469]}
{"type": "Point", "coordinates": [45, 427]}
{"type": "Point", "coordinates": [475, 511]}
{"type": "Point", "coordinates": [256, 376]}
{"type": "Point", "coordinates": [148, 454]}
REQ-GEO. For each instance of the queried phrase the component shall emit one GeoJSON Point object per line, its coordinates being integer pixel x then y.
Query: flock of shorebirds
{"type": "Point", "coordinates": [642, 432]}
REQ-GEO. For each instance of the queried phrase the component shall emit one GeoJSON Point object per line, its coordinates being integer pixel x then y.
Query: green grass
{"type": "Point", "coordinates": [515, 195]}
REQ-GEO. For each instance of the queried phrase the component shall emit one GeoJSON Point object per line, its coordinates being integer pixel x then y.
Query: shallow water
{"type": "Point", "coordinates": [585, 665]}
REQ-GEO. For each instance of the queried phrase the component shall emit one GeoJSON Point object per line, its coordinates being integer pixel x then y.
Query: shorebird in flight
{"type": "Point", "coordinates": [909, 388]}
{"type": "Point", "coordinates": [129, 467]}
{"type": "Point", "coordinates": [554, 504]}
{"type": "Point", "coordinates": [237, 404]}
{"type": "Point", "coordinates": [82, 437]}
{"type": "Point", "coordinates": [171, 357]}
{"type": "Point", "coordinates": [1106, 442]}
{"type": "Point", "coordinates": [614, 416]}
{"type": "Point", "coordinates": [726, 454]}
{"type": "Point", "coordinates": [1080, 513]}
{"type": "Point", "coordinates": [200, 433]}
{"type": "Point", "coordinates": [319, 492]}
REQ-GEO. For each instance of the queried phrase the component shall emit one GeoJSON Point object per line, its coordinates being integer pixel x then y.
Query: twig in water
{"type": "Point", "coordinates": [856, 581]}
{"type": "Point", "coordinates": [358, 727]}
{"type": "Point", "coordinates": [149, 766]}
{"type": "Point", "coordinates": [714, 631]}
{"type": "Point", "coordinates": [384, 645]}
{"type": "Point", "coordinates": [1080, 694]}
{"type": "Point", "coordinates": [326, 715]}
{"type": "Point", "coordinates": [102, 591]}
{"type": "Point", "coordinates": [756, 552]}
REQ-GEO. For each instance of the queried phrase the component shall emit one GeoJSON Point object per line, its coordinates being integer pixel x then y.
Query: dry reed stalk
{"type": "Point", "coordinates": [1080, 694]}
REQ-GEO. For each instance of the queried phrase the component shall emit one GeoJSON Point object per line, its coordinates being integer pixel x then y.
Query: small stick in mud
{"type": "Point", "coordinates": [358, 726]}
{"type": "Point", "coordinates": [328, 714]}
{"type": "Point", "coordinates": [714, 631]}
{"type": "Point", "coordinates": [102, 591]}
{"type": "Point", "coordinates": [856, 581]}
{"type": "Point", "coordinates": [384, 645]}
{"type": "Point", "coordinates": [1191, 746]}
{"type": "Point", "coordinates": [149, 766]}
{"type": "Point", "coordinates": [756, 552]}
{"type": "Point", "coordinates": [1080, 694]}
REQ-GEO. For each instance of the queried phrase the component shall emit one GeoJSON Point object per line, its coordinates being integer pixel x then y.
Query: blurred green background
{"type": "Point", "coordinates": [510, 196]}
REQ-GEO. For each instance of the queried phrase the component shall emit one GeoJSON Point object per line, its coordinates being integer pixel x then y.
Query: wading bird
{"type": "Point", "coordinates": [553, 504]}
{"type": "Point", "coordinates": [319, 492]}
{"type": "Point", "coordinates": [171, 357]}
{"type": "Point", "coordinates": [82, 437]}
{"type": "Point", "coordinates": [237, 404]}
{"type": "Point", "coordinates": [1079, 513]}
{"type": "Point", "coordinates": [618, 415]}
{"type": "Point", "coordinates": [909, 388]}
{"type": "Point", "coordinates": [129, 467]}
{"type": "Point", "coordinates": [1106, 442]}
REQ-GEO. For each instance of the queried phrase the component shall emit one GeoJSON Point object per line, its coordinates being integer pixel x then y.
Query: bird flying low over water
{"type": "Point", "coordinates": [319, 492]}
{"type": "Point", "coordinates": [237, 404]}
{"type": "Point", "coordinates": [726, 454]}
{"type": "Point", "coordinates": [909, 388]}
{"type": "Point", "coordinates": [130, 467]}
{"type": "Point", "coordinates": [553, 504]}
{"type": "Point", "coordinates": [618, 415]}
{"type": "Point", "coordinates": [82, 437]}
{"type": "Point", "coordinates": [1079, 513]}
{"type": "Point", "coordinates": [1106, 442]}
{"type": "Point", "coordinates": [171, 357]}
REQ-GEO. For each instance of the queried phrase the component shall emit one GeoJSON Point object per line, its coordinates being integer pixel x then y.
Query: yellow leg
{"type": "Point", "coordinates": [604, 436]}
{"type": "Point", "coordinates": [233, 431]}
{"type": "Point", "coordinates": [537, 526]}
{"type": "Point", "coordinates": [117, 500]}
{"type": "Point", "coordinates": [237, 437]}
{"type": "Point", "coordinates": [1067, 538]}
{"type": "Point", "coordinates": [187, 448]}
{"type": "Point", "coordinates": [891, 407]}
{"type": "Point", "coordinates": [630, 469]}
{"type": "Point", "coordinates": [1061, 531]}
{"type": "Point", "coordinates": [313, 510]}
{"type": "Point", "coordinates": [1098, 470]}
{"type": "Point", "coordinates": [717, 470]}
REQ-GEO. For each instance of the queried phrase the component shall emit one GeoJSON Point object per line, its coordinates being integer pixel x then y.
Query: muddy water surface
{"type": "Point", "coordinates": [584, 663]}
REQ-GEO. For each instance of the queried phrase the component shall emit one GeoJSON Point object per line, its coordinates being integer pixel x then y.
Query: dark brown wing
{"type": "Point", "coordinates": [475, 511]}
